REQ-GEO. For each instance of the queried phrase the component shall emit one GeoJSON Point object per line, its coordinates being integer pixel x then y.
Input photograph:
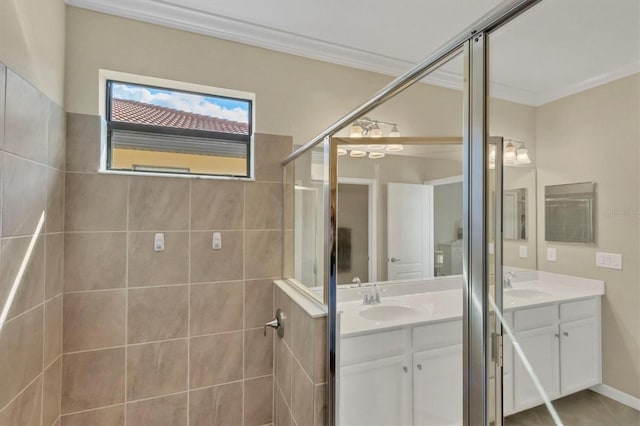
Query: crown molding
{"type": "Point", "coordinates": [164, 13]}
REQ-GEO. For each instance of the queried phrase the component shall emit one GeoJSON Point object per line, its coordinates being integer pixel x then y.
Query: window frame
{"type": "Point", "coordinates": [114, 126]}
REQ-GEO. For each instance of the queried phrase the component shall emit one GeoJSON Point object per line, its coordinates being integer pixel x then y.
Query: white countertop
{"type": "Point", "coordinates": [535, 289]}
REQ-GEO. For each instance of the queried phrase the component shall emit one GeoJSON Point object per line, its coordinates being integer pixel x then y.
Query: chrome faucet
{"type": "Point", "coordinates": [373, 298]}
{"type": "Point", "coordinates": [506, 283]}
{"type": "Point", "coordinates": [356, 280]}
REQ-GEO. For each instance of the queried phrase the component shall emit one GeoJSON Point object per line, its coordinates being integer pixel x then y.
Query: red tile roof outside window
{"type": "Point", "coordinates": [129, 111]}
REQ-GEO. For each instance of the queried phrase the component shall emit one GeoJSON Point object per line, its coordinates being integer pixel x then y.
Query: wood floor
{"type": "Point", "coordinates": [582, 408]}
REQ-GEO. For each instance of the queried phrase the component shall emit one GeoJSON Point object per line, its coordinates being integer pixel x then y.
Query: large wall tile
{"type": "Point", "coordinates": [258, 353]}
{"type": "Point", "coordinates": [320, 405]}
{"type": "Point", "coordinates": [55, 200]}
{"type": "Point", "coordinates": [52, 329]}
{"type": "Point", "coordinates": [54, 261]}
{"type": "Point", "coordinates": [163, 411]}
{"type": "Point", "coordinates": [264, 205]}
{"type": "Point", "coordinates": [301, 329]}
{"type": "Point", "coordinates": [217, 205]}
{"type": "Point", "coordinates": [216, 307]}
{"type": "Point", "coordinates": [270, 150]}
{"type": "Point", "coordinates": [28, 281]}
{"type": "Point", "coordinates": [302, 397]}
{"type": "Point", "coordinates": [263, 254]}
{"type": "Point", "coordinates": [94, 320]}
{"type": "Point", "coordinates": [156, 369]}
{"type": "Point", "coordinates": [57, 136]}
{"type": "Point", "coordinates": [282, 416]}
{"type": "Point", "coordinates": [320, 350]}
{"type": "Point", "coordinates": [208, 265]}
{"type": "Point", "coordinates": [83, 142]}
{"type": "Point", "coordinates": [92, 379]}
{"type": "Point", "coordinates": [283, 368]}
{"type": "Point", "coordinates": [23, 196]}
{"type": "Point", "coordinates": [94, 261]}
{"type": "Point", "coordinates": [258, 303]}
{"type": "Point", "coordinates": [258, 401]}
{"type": "Point", "coordinates": [158, 313]}
{"type": "Point", "coordinates": [149, 267]}
{"type": "Point", "coordinates": [26, 119]}
{"type": "Point", "coordinates": [157, 203]}
{"type": "Point", "coordinates": [25, 409]}
{"type": "Point", "coordinates": [20, 353]}
{"type": "Point", "coordinates": [95, 202]}
{"type": "Point", "coordinates": [3, 83]}
{"type": "Point", "coordinates": [215, 359]}
{"type": "Point", "coordinates": [51, 395]}
{"type": "Point", "coordinates": [216, 406]}
{"type": "Point", "coordinates": [110, 416]}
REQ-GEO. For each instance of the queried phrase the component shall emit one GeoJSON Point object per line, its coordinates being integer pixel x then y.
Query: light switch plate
{"type": "Point", "coordinates": [523, 252]}
{"type": "Point", "coordinates": [158, 242]}
{"type": "Point", "coordinates": [552, 254]}
{"type": "Point", "coordinates": [216, 241]}
{"type": "Point", "coordinates": [609, 260]}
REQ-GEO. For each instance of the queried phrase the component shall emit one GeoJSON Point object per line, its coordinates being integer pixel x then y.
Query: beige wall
{"type": "Point", "coordinates": [595, 136]}
{"type": "Point", "coordinates": [32, 147]}
{"type": "Point", "coordinates": [32, 43]}
{"type": "Point", "coordinates": [175, 333]}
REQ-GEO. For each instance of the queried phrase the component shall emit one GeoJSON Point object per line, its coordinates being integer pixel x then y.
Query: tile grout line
{"type": "Point", "coordinates": [126, 303]}
{"type": "Point", "coordinates": [189, 308]}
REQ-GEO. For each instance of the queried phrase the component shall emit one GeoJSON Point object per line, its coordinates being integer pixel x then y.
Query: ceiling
{"type": "Point", "coordinates": [555, 49]}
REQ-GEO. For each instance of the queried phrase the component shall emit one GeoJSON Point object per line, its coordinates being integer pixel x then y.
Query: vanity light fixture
{"type": "Point", "coordinates": [515, 154]}
{"type": "Point", "coordinates": [366, 127]}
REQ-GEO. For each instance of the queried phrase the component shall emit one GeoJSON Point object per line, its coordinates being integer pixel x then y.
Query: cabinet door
{"type": "Point", "coordinates": [437, 386]}
{"type": "Point", "coordinates": [376, 392]}
{"type": "Point", "coordinates": [579, 355]}
{"type": "Point", "coordinates": [540, 347]}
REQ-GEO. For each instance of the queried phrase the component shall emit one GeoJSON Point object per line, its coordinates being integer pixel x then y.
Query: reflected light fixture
{"type": "Point", "coordinates": [509, 152]}
{"type": "Point", "coordinates": [394, 148]}
{"type": "Point", "coordinates": [357, 153]}
{"type": "Point", "coordinates": [366, 127]}
{"type": "Point", "coordinates": [342, 151]}
{"type": "Point", "coordinates": [376, 155]}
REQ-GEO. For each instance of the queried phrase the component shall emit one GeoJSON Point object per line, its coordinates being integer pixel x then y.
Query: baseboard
{"type": "Point", "coordinates": [617, 395]}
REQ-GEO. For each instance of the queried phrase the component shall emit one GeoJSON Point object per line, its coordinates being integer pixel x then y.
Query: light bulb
{"type": "Point", "coordinates": [509, 153]}
{"type": "Point", "coordinates": [395, 133]}
{"type": "Point", "coordinates": [356, 131]}
{"type": "Point", "coordinates": [376, 131]}
{"type": "Point", "coordinates": [375, 155]}
{"type": "Point", "coordinates": [357, 154]}
{"type": "Point", "coordinates": [522, 156]}
{"type": "Point", "coordinates": [394, 148]}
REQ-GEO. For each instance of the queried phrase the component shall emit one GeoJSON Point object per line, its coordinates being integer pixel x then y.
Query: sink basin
{"type": "Point", "coordinates": [388, 312]}
{"type": "Point", "coordinates": [524, 293]}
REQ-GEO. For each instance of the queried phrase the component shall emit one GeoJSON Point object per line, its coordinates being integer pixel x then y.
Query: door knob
{"type": "Point", "coordinates": [394, 260]}
{"type": "Point", "coordinates": [277, 323]}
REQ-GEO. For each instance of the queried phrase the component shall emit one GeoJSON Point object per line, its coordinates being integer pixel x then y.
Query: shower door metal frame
{"type": "Point", "coordinates": [473, 42]}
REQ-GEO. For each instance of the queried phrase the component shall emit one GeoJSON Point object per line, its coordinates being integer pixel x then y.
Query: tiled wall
{"type": "Point", "coordinates": [176, 336]}
{"type": "Point", "coordinates": [300, 383]}
{"type": "Point", "coordinates": [32, 152]}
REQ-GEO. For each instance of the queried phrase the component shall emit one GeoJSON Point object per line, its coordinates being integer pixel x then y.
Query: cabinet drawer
{"type": "Point", "coordinates": [527, 319]}
{"type": "Point", "coordinates": [374, 346]}
{"type": "Point", "coordinates": [432, 336]}
{"type": "Point", "coordinates": [579, 309]}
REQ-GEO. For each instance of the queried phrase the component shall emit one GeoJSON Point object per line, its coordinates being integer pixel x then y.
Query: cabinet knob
{"type": "Point", "coordinates": [405, 369]}
{"type": "Point", "coordinates": [566, 333]}
{"type": "Point", "coordinates": [419, 366]}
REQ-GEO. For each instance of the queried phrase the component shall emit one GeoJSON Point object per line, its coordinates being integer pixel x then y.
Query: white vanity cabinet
{"type": "Point", "coordinates": [376, 379]}
{"type": "Point", "coordinates": [561, 343]}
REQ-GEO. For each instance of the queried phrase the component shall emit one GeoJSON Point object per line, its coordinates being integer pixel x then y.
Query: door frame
{"type": "Point", "coordinates": [372, 184]}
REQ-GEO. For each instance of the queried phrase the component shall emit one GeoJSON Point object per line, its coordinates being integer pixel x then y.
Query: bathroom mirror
{"type": "Point", "coordinates": [514, 214]}
{"type": "Point", "coordinates": [569, 212]}
{"type": "Point", "coordinates": [519, 246]}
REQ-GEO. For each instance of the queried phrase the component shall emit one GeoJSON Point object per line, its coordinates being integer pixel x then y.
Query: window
{"type": "Point", "coordinates": [160, 130]}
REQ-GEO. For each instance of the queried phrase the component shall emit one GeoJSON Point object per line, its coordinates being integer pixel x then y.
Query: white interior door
{"type": "Point", "coordinates": [409, 233]}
